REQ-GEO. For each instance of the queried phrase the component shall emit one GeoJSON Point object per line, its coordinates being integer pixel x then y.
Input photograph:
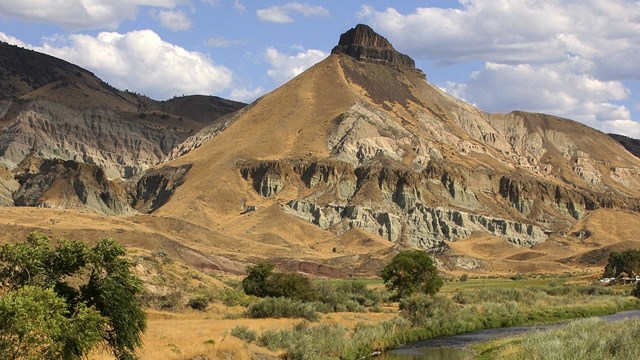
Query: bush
{"type": "Point", "coordinates": [169, 302]}
{"type": "Point", "coordinates": [262, 281]}
{"type": "Point", "coordinates": [464, 277]}
{"type": "Point", "coordinates": [412, 271]}
{"type": "Point", "coordinates": [199, 302]}
{"type": "Point", "coordinates": [352, 296]}
{"type": "Point", "coordinates": [419, 308]}
{"type": "Point", "coordinates": [281, 308]}
{"type": "Point", "coordinates": [244, 333]}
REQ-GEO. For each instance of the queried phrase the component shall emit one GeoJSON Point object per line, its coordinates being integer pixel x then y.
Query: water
{"type": "Point", "coordinates": [453, 347]}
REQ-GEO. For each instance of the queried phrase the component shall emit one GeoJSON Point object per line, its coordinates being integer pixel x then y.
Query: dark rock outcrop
{"type": "Point", "coordinates": [68, 184]}
{"type": "Point", "coordinates": [362, 43]}
{"type": "Point", "coordinates": [155, 187]}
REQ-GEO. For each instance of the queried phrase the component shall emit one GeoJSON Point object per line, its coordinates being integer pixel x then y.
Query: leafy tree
{"type": "Point", "coordinates": [411, 271]}
{"type": "Point", "coordinates": [292, 286]}
{"type": "Point", "coordinates": [262, 281]}
{"type": "Point", "coordinates": [624, 262]}
{"type": "Point", "coordinates": [36, 324]}
{"type": "Point", "coordinates": [94, 286]}
{"type": "Point", "coordinates": [256, 281]}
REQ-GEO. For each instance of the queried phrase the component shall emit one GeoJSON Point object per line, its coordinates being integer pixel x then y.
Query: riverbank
{"type": "Point", "coordinates": [488, 343]}
{"type": "Point", "coordinates": [594, 338]}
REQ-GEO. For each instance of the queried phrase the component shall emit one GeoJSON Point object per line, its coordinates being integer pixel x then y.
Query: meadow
{"type": "Point", "coordinates": [353, 318]}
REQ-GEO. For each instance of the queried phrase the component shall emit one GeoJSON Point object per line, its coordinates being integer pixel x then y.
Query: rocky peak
{"type": "Point", "coordinates": [362, 43]}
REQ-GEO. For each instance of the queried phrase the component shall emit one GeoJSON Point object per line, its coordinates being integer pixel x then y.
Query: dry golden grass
{"type": "Point", "coordinates": [176, 336]}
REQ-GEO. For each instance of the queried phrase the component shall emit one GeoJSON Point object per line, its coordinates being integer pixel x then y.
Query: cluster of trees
{"type": "Point", "coordinates": [59, 302]}
{"type": "Point", "coordinates": [263, 281]}
{"type": "Point", "coordinates": [409, 272]}
{"type": "Point", "coordinates": [627, 262]}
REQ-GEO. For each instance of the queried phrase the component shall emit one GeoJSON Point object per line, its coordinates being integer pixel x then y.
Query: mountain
{"type": "Point", "coordinates": [55, 109]}
{"type": "Point", "coordinates": [631, 144]}
{"type": "Point", "coordinates": [361, 143]}
{"type": "Point", "coordinates": [358, 157]}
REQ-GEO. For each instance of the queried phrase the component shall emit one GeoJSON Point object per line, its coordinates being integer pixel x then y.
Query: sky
{"type": "Point", "coordinates": [578, 59]}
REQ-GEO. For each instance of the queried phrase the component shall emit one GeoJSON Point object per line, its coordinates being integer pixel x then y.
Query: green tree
{"type": "Point", "coordinates": [262, 281]}
{"type": "Point", "coordinates": [92, 283]}
{"type": "Point", "coordinates": [257, 277]}
{"type": "Point", "coordinates": [626, 261]}
{"type": "Point", "coordinates": [411, 271]}
{"type": "Point", "coordinates": [36, 324]}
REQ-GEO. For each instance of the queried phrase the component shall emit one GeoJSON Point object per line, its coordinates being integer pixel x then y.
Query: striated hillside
{"type": "Point", "coordinates": [58, 110]}
{"type": "Point", "coordinates": [358, 157]}
{"type": "Point", "coordinates": [362, 142]}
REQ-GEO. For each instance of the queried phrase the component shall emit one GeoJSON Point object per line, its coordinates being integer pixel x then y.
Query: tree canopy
{"type": "Point", "coordinates": [263, 281]}
{"type": "Point", "coordinates": [411, 271]}
{"type": "Point", "coordinates": [623, 262]}
{"type": "Point", "coordinates": [60, 302]}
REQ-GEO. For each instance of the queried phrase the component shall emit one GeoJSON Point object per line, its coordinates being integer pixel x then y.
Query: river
{"type": "Point", "coordinates": [453, 347]}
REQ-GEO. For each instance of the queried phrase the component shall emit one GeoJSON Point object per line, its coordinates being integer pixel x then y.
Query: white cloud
{"type": "Point", "coordinates": [174, 20]}
{"type": "Point", "coordinates": [221, 42]}
{"type": "Point", "coordinates": [240, 7]}
{"type": "Point", "coordinates": [625, 127]}
{"type": "Point", "coordinates": [80, 14]}
{"type": "Point", "coordinates": [141, 61]}
{"type": "Point", "coordinates": [246, 95]}
{"type": "Point", "coordinates": [518, 32]}
{"type": "Point", "coordinates": [281, 14]}
{"type": "Point", "coordinates": [12, 40]}
{"type": "Point", "coordinates": [555, 89]}
{"type": "Point", "coordinates": [284, 67]}
{"type": "Point", "coordinates": [566, 58]}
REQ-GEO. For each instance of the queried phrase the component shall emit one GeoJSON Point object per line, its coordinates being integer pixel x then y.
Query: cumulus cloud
{"type": "Point", "coordinates": [281, 14]}
{"type": "Point", "coordinates": [246, 95]}
{"type": "Point", "coordinates": [141, 61]}
{"type": "Point", "coordinates": [567, 58]}
{"type": "Point", "coordinates": [515, 31]}
{"type": "Point", "coordinates": [80, 14]}
{"type": "Point", "coordinates": [284, 67]}
{"type": "Point", "coordinates": [174, 20]}
{"type": "Point", "coordinates": [550, 88]}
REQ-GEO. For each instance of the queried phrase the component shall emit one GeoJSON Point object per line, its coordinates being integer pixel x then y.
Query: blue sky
{"type": "Point", "coordinates": [572, 58]}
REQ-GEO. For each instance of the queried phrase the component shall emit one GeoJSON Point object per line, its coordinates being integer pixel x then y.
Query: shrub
{"type": "Point", "coordinates": [464, 277]}
{"type": "Point", "coordinates": [170, 302]}
{"type": "Point", "coordinates": [420, 308]}
{"type": "Point", "coordinates": [281, 308]}
{"type": "Point", "coordinates": [244, 333]}
{"type": "Point", "coordinates": [262, 281]}
{"type": "Point", "coordinates": [199, 302]}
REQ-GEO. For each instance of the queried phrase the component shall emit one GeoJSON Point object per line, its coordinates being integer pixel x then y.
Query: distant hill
{"type": "Point", "coordinates": [55, 109]}
{"type": "Point", "coordinates": [631, 144]}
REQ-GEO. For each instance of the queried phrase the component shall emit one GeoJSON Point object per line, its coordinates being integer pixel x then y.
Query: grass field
{"type": "Point", "coordinates": [461, 306]}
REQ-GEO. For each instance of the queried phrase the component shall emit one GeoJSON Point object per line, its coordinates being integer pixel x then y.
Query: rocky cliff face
{"type": "Point", "coordinates": [98, 136]}
{"type": "Point", "coordinates": [362, 43]}
{"type": "Point", "coordinates": [415, 166]}
{"type": "Point", "coordinates": [68, 184]}
{"type": "Point", "coordinates": [156, 186]}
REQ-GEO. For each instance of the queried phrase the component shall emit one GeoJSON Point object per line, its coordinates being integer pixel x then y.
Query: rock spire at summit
{"type": "Point", "coordinates": [362, 43]}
